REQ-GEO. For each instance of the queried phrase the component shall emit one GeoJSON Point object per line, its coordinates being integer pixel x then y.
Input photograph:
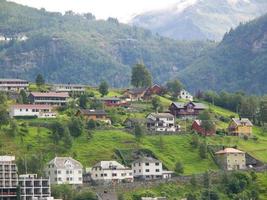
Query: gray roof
{"type": "Point", "coordinates": [60, 162]}
{"type": "Point", "coordinates": [146, 159]}
{"type": "Point", "coordinates": [92, 112]}
{"type": "Point", "coordinates": [110, 99]}
{"type": "Point", "coordinates": [162, 115]}
{"type": "Point", "coordinates": [241, 121]}
{"type": "Point", "coordinates": [197, 105]}
{"type": "Point", "coordinates": [137, 90]}
{"type": "Point", "coordinates": [110, 165]}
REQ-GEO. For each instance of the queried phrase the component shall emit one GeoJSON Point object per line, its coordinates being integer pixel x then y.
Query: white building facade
{"type": "Point", "coordinates": [111, 172]}
{"type": "Point", "coordinates": [148, 168]}
{"type": "Point", "coordinates": [13, 85]}
{"type": "Point", "coordinates": [34, 188]}
{"type": "Point", "coordinates": [185, 95]}
{"type": "Point", "coordinates": [72, 89]}
{"type": "Point", "coordinates": [28, 110]}
{"type": "Point", "coordinates": [161, 122]}
{"type": "Point", "coordinates": [8, 178]}
{"type": "Point", "coordinates": [64, 170]}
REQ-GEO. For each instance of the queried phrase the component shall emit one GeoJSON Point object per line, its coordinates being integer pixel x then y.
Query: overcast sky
{"type": "Point", "coordinates": [102, 9]}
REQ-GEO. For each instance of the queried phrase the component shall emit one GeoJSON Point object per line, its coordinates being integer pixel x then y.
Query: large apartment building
{"type": "Point", "coordinates": [49, 98]}
{"type": "Point", "coordinates": [8, 178]}
{"type": "Point", "coordinates": [64, 170]}
{"type": "Point", "coordinates": [72, 89]}
{"type": "Point", "coordinates": [13, 85]}
{"type": "Point", "coordinates": [34, 188]}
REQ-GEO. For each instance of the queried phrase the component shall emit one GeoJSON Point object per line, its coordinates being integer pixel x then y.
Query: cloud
{"type": "Point", "coordinates": [102, 9]}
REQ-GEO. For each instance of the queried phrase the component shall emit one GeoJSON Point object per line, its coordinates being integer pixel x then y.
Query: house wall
{"type": "Point", "coordinates": [168, 124]}
{"type": "Point", "coordinates": [147, 170]}
{"type": "Point", "coordinates": [64, 175]}
{"type": "Point", "coordinates": [109, 175]}
{"type": "Point", "coordinates": [29, 112]}
{"type": "Point", "coordinates": [240, 130]}
{"type": "Point", "coordinates": [232, 161]}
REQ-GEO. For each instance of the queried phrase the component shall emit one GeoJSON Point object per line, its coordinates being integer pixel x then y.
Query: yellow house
{"type": "Point", "coordinates": [231, 159]}
{"type": "Point", "coordinates": [240, 127]}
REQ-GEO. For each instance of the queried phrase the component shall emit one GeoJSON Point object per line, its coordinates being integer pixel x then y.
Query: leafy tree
{"type": "Point", "coordinates": [194, 141]}
{"type": "Point", "coordinates": [4, 117]}
{"type": "Point", "coordinates": [191, 196]}
{"type": "Point", "coordinates": [179, 168]}
{"type": "Point", "coordinates": [96, 104]}
{"type": "Point", "coordinates": [263, 111]}
{"type": "Point", "coordinates": [248, 108]}
{"type": "Point", "coordinates": [174, 87]}
{"type": "Point", "coordinates": [67, 139]}
{"type": "Point", "coordinates": [85, 195]}
{"type": "Point", "coordinates": [14, 128]}
{"type": "Point", "coordinates": [206, 180]}
{"type": "Point", "coordinates": [203, 150]}
{"type": "Point", "coordinates": [3, 98]}
{"type": "Point", "coordinates": [76, 126]}
{"type": "Point", "coordinates": [138, 131]}
{"type": "Point", "coordinates": [91, 124]}
{"type": "Point", "coordinates": [207, 121]}
{"type": "Point", "coordinates": [141, 77]}
{"type": "Point", "coordinates": [23, 98]}
{"type": "Point", "coordinates": [210, 195]}
{"type": "Point", "coordinates": [83, 101]}
{"type": "Point", "coordinates": [156, 103]}
{"type": "Point", "coordinates": [62, 191]}
{"type": "Point", "coordinates": [39, 80]}
{"type": "Point", "coordinates": [103, 88]}
{"type": "Point", "coordinates": [193, 181]}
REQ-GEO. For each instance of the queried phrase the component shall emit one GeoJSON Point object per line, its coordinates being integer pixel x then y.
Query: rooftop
{"type": "Point", "coordinates": [146, 159]}
{"type": "Point", "coordinates": [196, 105]}
{"type": "Point", "coordinates": [110, 165]}
{"type": "Point", "coordinates": [50, 94]}
{"type": "Point", "coordinates": [229, 150]}
{"type": "Point", "coordinates": [242, 121]}
{"type": "Point", "coordinates": [31, 106]}
{"type": "Point", "coordinates": [12, 80]}
{"type": "Point", "coordinates": [162, 115]}
{"type": "Point", "coordinates": [92, 112]}
{"type": "Point", "coordinates": [63, 162]}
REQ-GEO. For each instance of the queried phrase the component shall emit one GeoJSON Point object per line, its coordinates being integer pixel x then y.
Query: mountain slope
{"type": "Point", "coordinates": [200, 19]}
{"type": "Point", "coordinates": [80, 49]}
{"type": "Point", "coordinates": [237, 63]}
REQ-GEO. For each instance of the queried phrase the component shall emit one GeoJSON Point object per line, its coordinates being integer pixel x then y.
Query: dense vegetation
{"type": "Point", "coordinates": [79, 49]}
{"type": "Point", "coordinates": [237, 63]}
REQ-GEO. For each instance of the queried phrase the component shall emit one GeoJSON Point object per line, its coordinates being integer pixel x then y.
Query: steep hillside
{"type": "Point", "coordinates": [237, 63]}
{"type": "Point", "coordinates": [200, 19]}
{"type": "Point", "coordinates": [80, 49]}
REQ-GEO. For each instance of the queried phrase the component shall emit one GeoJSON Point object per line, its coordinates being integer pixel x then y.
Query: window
{"type": "Point", "coordinates": [59, 172]}
{"type": "Point", "coordinates": [80, 179]}
{"type": "Point", "coordinates": [157, 164]}
{"type": "Point", "coordinates": [27, 110]}
{"type": "Point", "coordinates": [67, 172]}
{"type": "Point", "coordinates": [157, 170]}
{"type": "Point", "coordinates": [105, 175]}
{"type": "Point", "coordinates": [70, 171]}
{"type": "Point", "coordinates": [147, 170]}
{"type": "Point", "coordinates": [55, 179]}
{"type": "Point", "coordinates": [102, 175]}
{"type": "Point", "coordinates": [139, 170]}
{"type": "Point", "coordinates": [80, 171]}
{"type": "Point", "coordinates": [96, 175]}
{"type": "Point", "coordinates": [67, 178]}
{"type": "Point", "coordinates": [59, 179]}
{"type": "Point", "coordinates": [147, 164]}
{"type": "Point", "coordinates": [139, 164]}
{"type": "Point", "coordinates": [114, 174]}
{"type": "Point", "coordinates": [55, 172]}
{"type": "Point", "coordinates": [134, 171]}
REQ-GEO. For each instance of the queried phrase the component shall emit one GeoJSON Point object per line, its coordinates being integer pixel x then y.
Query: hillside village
{"type": "Point", "coordinates": [92, 137]}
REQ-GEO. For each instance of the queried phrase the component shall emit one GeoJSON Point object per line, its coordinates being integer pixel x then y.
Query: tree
{"type": "Point", "coordinates": [179, 168]}
{"type": "Point", "coordinates": [263, 111]}
{"type": "Point", "coordinates": [83, 101]}
{"type": "Point", "coordinates": [248, 108]}
{"type": "Point", "coordinates": [23, 98]}
{"type": "Point", "coordinates": [203, 150]}
{"type": "Point", "coordinates": [62, 191]}
{"type": "Point", "coordinates": [156, 103]}
{"type": "Point", "coordinates": [57, 131]}
{"type": "Point", "coordinates": [103, 88]}
{"type": "Point", "coordinates": [206, 180]}
{"type": "Point", "coordinates": [76, 126]}
{"type": "Point", "coordinates": [138, 131]}
{"type": "Point", "coordinates": [39, 80]}
{"type": "Point", "coordinates": [191, 196]}
{"type": "Point", "coordinates": [14, 128]}
{"type": "Point", "coordinates": [207, 121]}
{"type": "Point", "coordinates": [194, 141]}
{"type": "Point", "coordinates": [174, 87]}
{"type": "Point", "coordinates": [3, 98]}
{"type": "Point", "coordinates": [4, 117]}
{"type": "Point", "coordinates": [141, 77]}
{"type": "Point", "coordinates": [209, 195]}
{"type": "Point", "coordinates": [85, 195]}
{"type": "Point", "coordinates": [193, 181]}
{"type": "Point", "coordinates": [91, 124]}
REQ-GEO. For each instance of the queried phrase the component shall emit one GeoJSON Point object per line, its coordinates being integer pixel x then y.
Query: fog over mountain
{"type": "Point", "coordinates": [200, 19]}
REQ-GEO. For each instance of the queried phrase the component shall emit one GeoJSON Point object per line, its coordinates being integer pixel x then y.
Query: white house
{"type": "Point", "coordinates": [64, 170]}
{"type": "Point", "coordinates": [29, 110]}
{"type": "Point", "coordinates": [161, 122]}
{"type": "Point", "coordinates": [13, 85]}
{"type": "Point", "coordinates": [185, 95]}
{"type": "Point", "coordinates": [147, 168]}
{"type": "Point", "coordinates": [111, 171]}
